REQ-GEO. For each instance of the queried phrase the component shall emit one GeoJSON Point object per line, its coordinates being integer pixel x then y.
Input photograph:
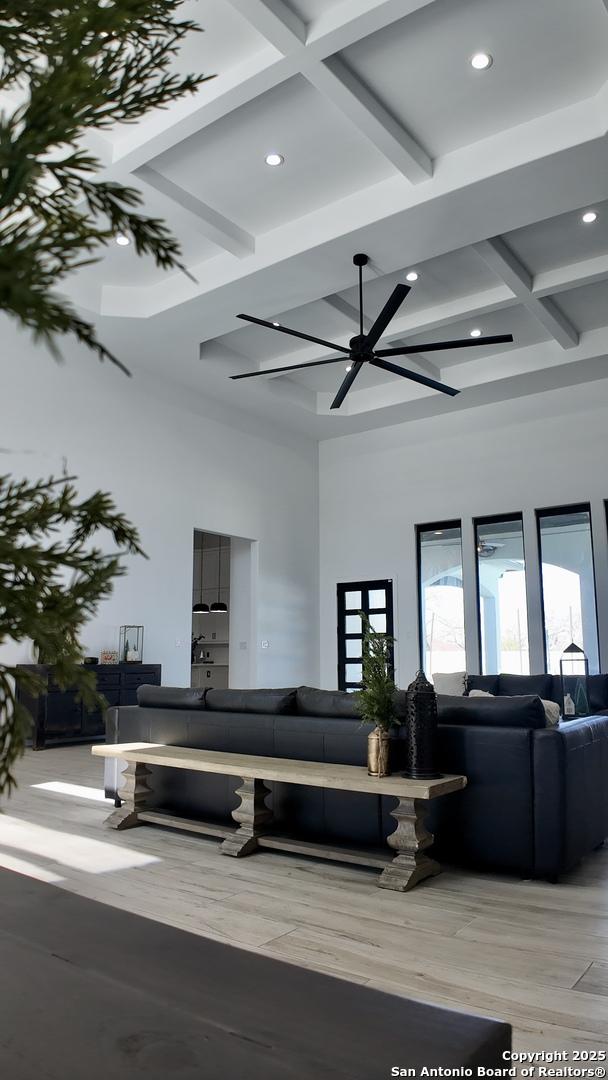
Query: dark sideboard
{"type": "Point", "coordinates": [59, 718]}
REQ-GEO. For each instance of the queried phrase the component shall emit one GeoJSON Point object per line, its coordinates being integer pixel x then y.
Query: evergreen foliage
{"type": "Point", "coordinates": [52, 577]}
{"type": "Point", "coordinates": [74, 67]}
{"type": "Point", "coordinates": [376, 697]}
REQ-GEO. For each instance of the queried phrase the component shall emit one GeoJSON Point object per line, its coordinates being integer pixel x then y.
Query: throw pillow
{"type": "Point", "coordinates": [452, 683]}
{"type": "Point", "coordinates": [552, 710]}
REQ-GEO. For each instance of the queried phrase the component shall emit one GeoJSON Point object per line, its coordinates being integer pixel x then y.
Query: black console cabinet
{"type": "Point", "coordinates": [59, 718]}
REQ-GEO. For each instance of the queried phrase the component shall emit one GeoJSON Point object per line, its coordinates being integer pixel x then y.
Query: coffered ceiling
{"type": "Point", "coordinates": [393, 145]}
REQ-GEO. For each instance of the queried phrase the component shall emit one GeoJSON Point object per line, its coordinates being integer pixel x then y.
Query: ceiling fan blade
{"type": "Point", "coordinates": [292, 367]}
{"type": "Point", "coordinates": [294, 333]}
{"type": "Point", "coordinates": [346, 384]}
{"type": "Point", "coordinates": [415, 377]}
{"type": "Point", "coordinates": [437, 346]}
{"type": "Point", "coordinates": [390, 309]}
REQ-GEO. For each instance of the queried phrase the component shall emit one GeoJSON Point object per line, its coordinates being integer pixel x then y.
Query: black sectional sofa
{"type": "Point", "coordinates": [536, 800]}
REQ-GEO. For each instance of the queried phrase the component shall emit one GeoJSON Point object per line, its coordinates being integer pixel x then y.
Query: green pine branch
{"type": "Point", "coordinates": [52, 579]}
{"type": "Point", "coordinates": [377, 695]}
{"type": "Point", "coordinates": [78, 66]}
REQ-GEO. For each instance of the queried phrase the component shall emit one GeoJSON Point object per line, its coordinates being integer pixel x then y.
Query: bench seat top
{"type": "Point", "coordinates": [285, 770]}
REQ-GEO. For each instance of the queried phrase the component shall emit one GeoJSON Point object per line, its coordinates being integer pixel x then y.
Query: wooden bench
{"type": "Point", "coordinates": [410, 863]}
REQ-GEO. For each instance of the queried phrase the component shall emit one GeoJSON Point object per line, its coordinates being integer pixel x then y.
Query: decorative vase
{"type": "Point", "coordinates": [421, 729]}
{"type": "Point", "coordinates": [378, 746]}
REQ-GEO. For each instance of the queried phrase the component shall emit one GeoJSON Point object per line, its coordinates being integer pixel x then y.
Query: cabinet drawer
{"type": "Point", "coordinates": [94, 723]}
{"type": "Point", "coordinates": [63, 714]}
{"type": "Point", "coordinates": [107, 678]}
{"type": "Point", "coordinates": [138, 678]}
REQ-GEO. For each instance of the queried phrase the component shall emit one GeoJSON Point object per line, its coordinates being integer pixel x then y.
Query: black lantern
{"type": "Point", "coordinates": [421, 728]}
{"type": "Point", "coordinates": [574, 671]}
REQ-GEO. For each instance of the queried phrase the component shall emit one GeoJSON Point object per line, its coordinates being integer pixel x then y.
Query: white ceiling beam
{"type": "Point", "coordinates": [262, 72]}
{"type": "Point", "coordinates": [507, 266]}
{"type": "Point", "coordinates": [338, 303]}
{"type": "Point", "coordinates": [339, 85]}
{"type": "Point", "coordinates": [332, 31]}
{"type": "Point", "coordinates": [215, 226]}
{"type": "Point", "coordinates": [572, 276]}
{"type": "Point", "coordinates": [275, 21]}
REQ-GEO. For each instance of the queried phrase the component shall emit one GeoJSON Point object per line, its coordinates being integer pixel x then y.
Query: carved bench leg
{"type": "Point", "coordinates": [134, 793]}
{"type": "Point", "coordinates": [253, 816]}
{"type": "Point", "coordinates": [409, 840]}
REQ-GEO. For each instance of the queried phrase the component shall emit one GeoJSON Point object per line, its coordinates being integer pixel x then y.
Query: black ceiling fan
{"type": "Point", "coordinates": [362, 348]}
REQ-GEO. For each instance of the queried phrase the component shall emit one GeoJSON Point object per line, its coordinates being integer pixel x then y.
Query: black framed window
{"type": "Point", "coordinates": [568, 583]}
{"type": "Point", "coordinates": [441, 597]}
{"type": "Point", "coordinates": [374, 599]}
{"type": "Point", "coordinates": [502, 609]}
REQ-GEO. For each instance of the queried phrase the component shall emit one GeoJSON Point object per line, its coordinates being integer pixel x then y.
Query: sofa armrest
{"type": "Point", "coordinates": [570, 792]}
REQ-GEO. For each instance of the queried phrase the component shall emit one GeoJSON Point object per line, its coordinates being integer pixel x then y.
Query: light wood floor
{"type": "Point", "coordinates": [531, 953]}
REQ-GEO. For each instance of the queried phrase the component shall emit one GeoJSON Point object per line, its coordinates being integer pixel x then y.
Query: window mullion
{"type": "Point", "coordinates": [469, 586]}
{"type": "Point", "coordinates": [536, 630]}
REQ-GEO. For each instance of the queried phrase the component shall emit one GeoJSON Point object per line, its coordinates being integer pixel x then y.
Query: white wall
{"type": "Point", "coordinates": [541, 451]}
{"type": "Point", "coordinates": [171, 467]}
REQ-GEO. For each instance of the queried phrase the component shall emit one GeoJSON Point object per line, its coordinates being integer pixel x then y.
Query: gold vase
{"type": "Point", "coordinates": [378, 744]}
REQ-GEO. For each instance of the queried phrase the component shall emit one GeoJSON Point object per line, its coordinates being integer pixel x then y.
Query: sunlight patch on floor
{"type": "Point", "coordinates": [68, 849]}
{"type": "Point", "coordinates": [77, 790]}
{"type": "Point", "coordinates": [29, 869]}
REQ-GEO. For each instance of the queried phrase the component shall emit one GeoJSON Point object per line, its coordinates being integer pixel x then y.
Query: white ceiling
{"type": "Point", "coordinates": [394, 146]}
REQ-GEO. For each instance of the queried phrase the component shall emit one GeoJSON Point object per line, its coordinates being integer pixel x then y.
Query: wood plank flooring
{"type": "Point", "coordinates": [531, 953]}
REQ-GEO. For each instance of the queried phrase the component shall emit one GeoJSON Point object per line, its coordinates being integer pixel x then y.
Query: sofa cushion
{"type": "Point", "coordinates": [516, 685]}
{"type": "Point", "coordinates": [517, 712]}
{"type": "Point", "coordinates": [451, 683]}
{"type": "Point", "coordinates": [274, 702]}
{"type": "Point", "coordinates": [489, 683]}
{"type": "Point", "coordinates": [552, 709]}
{"type": "Point", "coordinates": [170, 697]}
{"type": "Point", "coordinates": [313, 702]}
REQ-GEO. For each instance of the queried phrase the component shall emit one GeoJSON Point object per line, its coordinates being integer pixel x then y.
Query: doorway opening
{"type": "Point", "coordinates": [224, 605]}
{"type": "Point", "coordinates": [210, 644]}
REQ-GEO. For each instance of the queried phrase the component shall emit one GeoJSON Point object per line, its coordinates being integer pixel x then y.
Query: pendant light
{"type": "Point", "coordinates": [219, 605]}
{"type": "Point", "coordinates": [197, 609]}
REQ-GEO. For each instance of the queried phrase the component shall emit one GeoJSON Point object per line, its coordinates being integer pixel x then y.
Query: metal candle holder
{"type": "Point", "coordinates": [421, 727]}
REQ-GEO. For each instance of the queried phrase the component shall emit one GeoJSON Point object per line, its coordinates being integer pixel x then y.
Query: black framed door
{"type": "Point", "coordinates": [374, 599]}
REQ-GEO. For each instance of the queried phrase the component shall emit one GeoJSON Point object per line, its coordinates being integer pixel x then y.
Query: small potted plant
{"type": "Point", "coordinates": [377, 696]}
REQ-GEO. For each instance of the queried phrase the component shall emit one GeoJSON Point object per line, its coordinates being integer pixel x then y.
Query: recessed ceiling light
{"type": "Point", "coordinates": [438, 532]}
{"type": "Point", "coordinates": [276, 324]}
{"type": "Point", "coordinates": [412, 276]}
{"type": "Point", "coordinates": [349, 367]}
{"type": "Point", "coordinates": [481, 61]}
{"type": "Point", "coordinates": [589, 217]}
{"type": "Point", "coordinates": [274, 159]}
{"type": "Point", "coordinates": [475, 333]}
{"type": "Point", "coordinates": [122, 240]}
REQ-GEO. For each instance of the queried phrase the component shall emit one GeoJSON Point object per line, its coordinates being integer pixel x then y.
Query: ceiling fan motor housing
{"type": "Point", "coordinates": [357, 346]}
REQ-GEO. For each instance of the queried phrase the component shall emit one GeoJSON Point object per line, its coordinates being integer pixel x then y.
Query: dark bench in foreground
{"type": "Point", "coordinates": [90, 991]}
